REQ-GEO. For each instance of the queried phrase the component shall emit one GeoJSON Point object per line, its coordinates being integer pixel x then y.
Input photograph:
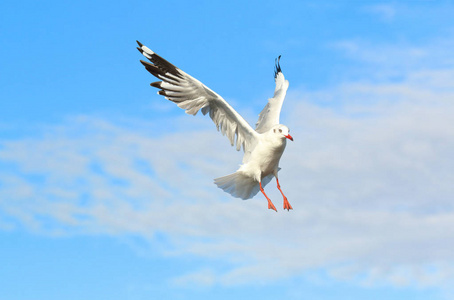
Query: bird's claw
{"type": "Point", "coordinates": [271, 206]}
{"type": "Point", "coordinates": [287, 205]}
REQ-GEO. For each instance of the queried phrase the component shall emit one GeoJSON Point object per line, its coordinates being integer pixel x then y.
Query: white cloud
{"type": "Point", "coordinates": [369, 176]}
{"type": "Point", "coordinates": [396, 62]}
{"type": "Point", "coordinates": [385, 12]}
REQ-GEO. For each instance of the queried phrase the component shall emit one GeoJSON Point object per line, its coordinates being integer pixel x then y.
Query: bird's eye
{"type": "Point", "coordinates": [280, 130]}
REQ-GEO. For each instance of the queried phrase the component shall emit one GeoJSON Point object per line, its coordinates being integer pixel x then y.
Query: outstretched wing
{"type": "Point", "coordinates": [192, 95]}
{"type": "Point", "coordinates": [269, 116]}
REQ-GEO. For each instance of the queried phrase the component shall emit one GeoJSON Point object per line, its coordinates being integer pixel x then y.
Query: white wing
{"type": "Point", "coordinates": [270, 113]}
{"type": "Point", "coordinates": [192, 95]}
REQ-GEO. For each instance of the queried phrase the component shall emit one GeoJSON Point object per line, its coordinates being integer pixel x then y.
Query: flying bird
{"type": "Point", "coordinates": [263, 147]}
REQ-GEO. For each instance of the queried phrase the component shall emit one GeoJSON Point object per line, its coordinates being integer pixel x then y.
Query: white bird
{"type": "Point", "coordinates": [263, 147]}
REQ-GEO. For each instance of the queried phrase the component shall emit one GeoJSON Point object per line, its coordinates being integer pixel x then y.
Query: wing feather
{"type": "Point", "coordinates": [192, 95]}
{"type": "Point", "coordinates": [269, 116]}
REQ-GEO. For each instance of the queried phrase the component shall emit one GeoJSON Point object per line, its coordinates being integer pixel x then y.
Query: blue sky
{"type": "Point", "coordinates": [106, 188]}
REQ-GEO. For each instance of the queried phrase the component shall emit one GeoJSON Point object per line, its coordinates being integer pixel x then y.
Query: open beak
{"type": "Point", "coordinates": [289, 137]}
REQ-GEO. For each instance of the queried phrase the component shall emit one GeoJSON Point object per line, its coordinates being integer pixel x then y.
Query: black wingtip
{"type": "Point", "coordinates": [156, 71]}
{"type": "Point", "coordinates": [140, 46]}
{"type": "Point", "coordinates": [277, 68]}
{"type": "Point", "coordinates": [156, 84]}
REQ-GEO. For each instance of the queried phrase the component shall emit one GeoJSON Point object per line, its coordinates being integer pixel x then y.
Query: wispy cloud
{"type": "Point", "coordinates": [385, 12]}
{"type": "Point", "coordinates": [370, 179]}
{"type": "Point", "coordinates": [399, 61]}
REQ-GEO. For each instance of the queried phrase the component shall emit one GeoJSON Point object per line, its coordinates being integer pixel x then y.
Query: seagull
{"type": "Point", "coordinates": [263, 147]}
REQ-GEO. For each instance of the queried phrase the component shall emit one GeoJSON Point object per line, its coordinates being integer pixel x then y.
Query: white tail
{"type": "Point", "coordinates": [241, 186]}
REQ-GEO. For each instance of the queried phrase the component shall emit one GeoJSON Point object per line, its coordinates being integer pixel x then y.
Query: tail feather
{"type": "Point", "coordinates": [241, 186]}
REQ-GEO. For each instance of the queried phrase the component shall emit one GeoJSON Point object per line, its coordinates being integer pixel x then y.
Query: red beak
{"type": "Point", "coordinates": [289, 137]}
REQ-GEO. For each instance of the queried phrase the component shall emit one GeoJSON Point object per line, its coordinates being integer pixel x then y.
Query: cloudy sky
{"type": "Point", "coordinates": [106, 189]}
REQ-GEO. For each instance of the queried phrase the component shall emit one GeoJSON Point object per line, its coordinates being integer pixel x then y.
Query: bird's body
{"type": "Point", "coordinates": [265, 157]}
{"type": "Point", "coordinates": [263, 147]}
{"type": "Point", "coordinates": [263, 161]}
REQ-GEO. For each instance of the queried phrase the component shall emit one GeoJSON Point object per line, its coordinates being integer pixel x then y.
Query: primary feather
{"type": "Point", "coordinates": [269, 116]}
{"type": "Point", "coordinates": [192, 95]}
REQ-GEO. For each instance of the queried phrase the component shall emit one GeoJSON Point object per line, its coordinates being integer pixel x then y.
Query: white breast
{"type": "Point", "coordinates": [264, 158]}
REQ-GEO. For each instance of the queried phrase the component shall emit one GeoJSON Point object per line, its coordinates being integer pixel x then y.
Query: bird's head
{"type": "Point", "coordinates": [282, 131]}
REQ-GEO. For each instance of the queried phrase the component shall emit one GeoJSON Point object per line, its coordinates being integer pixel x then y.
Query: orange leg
{"type": "Point", "coordinates": [287, 205]}
{"type": "Point", "coordinates": [270, 204]}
